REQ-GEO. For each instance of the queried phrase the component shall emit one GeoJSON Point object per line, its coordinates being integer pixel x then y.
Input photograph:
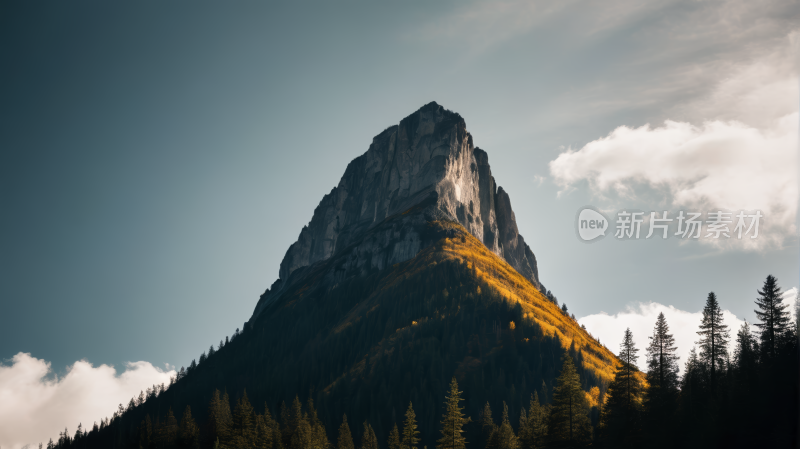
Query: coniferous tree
{"type": "Point", "coordinates": [569, 421]}
{"type": "Point", "coordinates": [369, 440]}
{"type": "Point", "coordinates": [244, 426]}
{"type": "Point", "coordinates": [662, 391]}
{"type": "Point", "coordinates": [275, 440]}
{"type": "Point", "coordinates": [394, 438]}
{"type": "Point", "coordinates": [623, 403]}
{"type": "Point", "coordinates": [534, 433]}
{"type": "Point", "coordinates": [292, 419]}
{"type": "Point", "coordinates": [745, 389]}
{"type": "Point", "coordinates": [302, 438]}
{"type": "Point", "coordinates": [319, 438]}
{"type": "Point", "coordinates": [714, 337]}
{"type": "Point", "coordinates": [263, 434]}
{"type": "Point", "coordinates": [453, 420]}
{"type": "Point", "coordinates": [504, 437]}
{"type": "Point", "coordinates": [691, 402]}
{"type": "Point", "coordinates": [523, 426]}
{"type": "Point", "coordinates": [345, 440]}
{"type": "Point", "coordinates": [168, 432]}
{"type": "Point", "coordinates": [487, 425]}
{"type": "Point", "coordinates": [188, 433]}
{"type": "Point", "coordinates": [774, 317]}
{"type": "Point", "coordinates": [219, 418]}
{"type": "Point", "coordinates": [410, 432]}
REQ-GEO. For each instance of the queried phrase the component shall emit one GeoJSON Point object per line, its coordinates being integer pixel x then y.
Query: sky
{"type": "Point", "coordinates": [158, 158]}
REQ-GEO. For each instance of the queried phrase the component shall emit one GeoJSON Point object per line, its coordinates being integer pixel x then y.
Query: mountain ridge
{"type": "Point", "coordinates": [428, 156]}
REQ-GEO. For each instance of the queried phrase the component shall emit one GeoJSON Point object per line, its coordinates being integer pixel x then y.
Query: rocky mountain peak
{"type": "Point", "coordinates": [428, 158]}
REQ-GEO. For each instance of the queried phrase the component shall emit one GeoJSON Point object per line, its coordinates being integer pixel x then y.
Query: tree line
{"type": "Point", "coordinates": [747, 398]}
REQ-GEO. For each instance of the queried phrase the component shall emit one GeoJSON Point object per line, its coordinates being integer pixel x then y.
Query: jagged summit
{"type": "Point", "coordinates": [427, 160]}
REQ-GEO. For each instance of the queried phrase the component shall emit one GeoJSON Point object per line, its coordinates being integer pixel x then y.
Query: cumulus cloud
{"type": "Point", "coordinates": [718, 165]}
{"type": "Point", "coordinates": [724, 134]}
{"type": "Point", "coordinates": [35, 405]}
{"type": "Point", "coordinates": [641, 318]}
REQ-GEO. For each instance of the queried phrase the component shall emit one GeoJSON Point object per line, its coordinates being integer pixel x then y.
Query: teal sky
{"type": "Point", "coordinates": [158, 158]}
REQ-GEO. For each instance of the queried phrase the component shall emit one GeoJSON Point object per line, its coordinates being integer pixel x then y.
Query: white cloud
{"type": "Point", "coordinates": [35, 408]}
{"type": "Point", "coordinates": [641, 318]}
{"type": "Point", "coordinates": [790, 298]}
{"type": "Point", "coordinates": [719, 165]}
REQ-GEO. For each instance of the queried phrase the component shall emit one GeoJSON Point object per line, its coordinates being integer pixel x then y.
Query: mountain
{"type": "Point", "coordinates": [411, 272]}
{"type": "Point", "coordinates": [429, 158]}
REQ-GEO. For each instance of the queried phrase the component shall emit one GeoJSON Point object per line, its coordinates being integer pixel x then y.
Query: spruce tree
{"type": "Point", "coordinates": [292, 418]}
{"type": "Point", "coordinates": [773, 315]}
{"type": "Point", "coordinates": [319, 438]}
{"type": "Point", "coordinates": [275, 440]}
{"type": "Point", "coordinates": [745, 388]}
{"type": "Point", "coordinates": [410, 432]}
{"type": "Point", "coordinates": [189, 433]}
{"type": "Point", "coordinates": [345, 440]}
{"type": "Point", "coordinates": [263, 434]}
{"type": "Point", "coordinates": [394, 438]}
{"type": "Point", "coordinates": [453, 420]}
{"type": "Point", "coordinates": [369, 440]}
{"type": "Point", "coordinates": [302, 437]}
{"type": "Point", "coordinates": [714, 337]}
{"type": "Point", "coordinates": [622, 409]}
{"type": "Point", "coordinates": [244, 426]}
{"type": "Point", "coordinates": [662, 390]}
{"type": "Point", "coordinates": [487, 425]}
{"type": "Point", "coordinates": [504, 435]}
{"type": "Point", "coordinates": [523, 427]}
{"type": "Point", "coordinates": [169, 431]}
{"type": "Point", "coordinates": [535, 431]}
{"type": "Point", "coordinates": [569, 420]}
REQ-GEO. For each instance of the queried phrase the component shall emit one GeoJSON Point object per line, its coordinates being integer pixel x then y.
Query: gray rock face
{"type": "Point", "coordinates": [428, 158]}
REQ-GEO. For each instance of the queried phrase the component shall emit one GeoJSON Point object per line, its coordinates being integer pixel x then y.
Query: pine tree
{"type": "Point", "coordinates": [263, 434]}
{"type": "Point", "coordinates": [145, 432]}
{"type": "Point", "coordinates": [487, 425]}
{"type": "Point", "coordinates": [168, 433]}
{"type": "Point", "coordinates": [244, 426]}
{"type": "Point", "coordinates": [302, 435]}
{"type": "Point", "coordinates": [533, 435]}
{"type": "Point", "coordinates": [345, 437]}
{"type": "Point", "coordinates": [219, 418]}
{"type": "Point", "coordinates": [569, 421]}
{"type": "Point", "coordinates": [662, 390]}
{"type": "Point", "coordinates": [410, 432]}
{"type": "Point", "coordinates": [504, 437]}
{"type": "Point", "coordinates": [292, 419]}
{"type": "Point", "coordinates": [627, 353]}
{"type": "Point", "coordinates": [523, 427]}
{"type": "Point", "coordinates": [319, 438]}
{"type": "Point", "coordinates": [773, 315]}
{"type": "Point", "coordinates": [714, 336]}
{"type": "Point", "coordinates": [622, 409]}
{"type": "Point", "coordinates": [274, 440]}
{"type": "Point", "coordinates": [369, 440]}
{"type": "Point", "coordinates": [691, 400]}
{"type": "Point", "coordinates": [394, 438]}
{"type": "Point", "coordinates": [745, 388]}
{"type": "Point", "coordinates": [453, 420]}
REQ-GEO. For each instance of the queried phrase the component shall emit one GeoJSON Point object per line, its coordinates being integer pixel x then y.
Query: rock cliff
{"type": "Point", "coordinates": [426, 165]}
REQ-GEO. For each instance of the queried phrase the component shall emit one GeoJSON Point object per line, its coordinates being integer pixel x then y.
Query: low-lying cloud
{"type": "Point", "coordinates": [683, 325]}
{"type": "Point", "coordinates": [35, 405]}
